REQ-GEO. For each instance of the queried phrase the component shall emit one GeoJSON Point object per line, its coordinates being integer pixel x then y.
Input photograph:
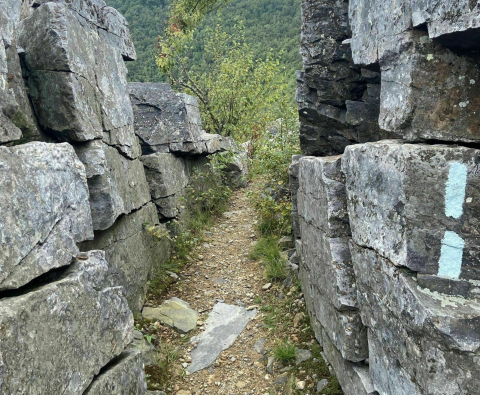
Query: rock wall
{"type": "Point", "coordinates": [387, 230]}
{"type": "Point", "coordinates": [82, 172]}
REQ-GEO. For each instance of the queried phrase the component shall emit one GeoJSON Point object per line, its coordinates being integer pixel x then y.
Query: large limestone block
{"type": "Point", "coordinates": [434, 338]}
{"type": "Point", "coordinates": [66, 105]}
{"type": "Point", "coordinates": [124, 376]}
{"type": "Point", "coordinates": [16, 116]}
{"type": "Point", "coordinates": [322, 198]}
{"type": "Point", "coordinates": [163, 116]}
{"type": "Point", "coordinates": [133, 253]}
{"type": "Point", "coordinates": [429, 92]}
{"type": "Point", "coordinates": [345, 328]}
{"type": "Point", "coordinates": [45, 210]}
{"type": "Point", "coordinates": [79, 76]}
{"type": "Point", "coordinates": [117, 185]}
{"type": "Point", "coordinates": [330, 264]}
{"type": "Point", "coordinates": [57, 336]}
{"type": "Point", "coordinates": [166, 174]}
{"type": "Point", "coordinates": [375, 23]}
{"type": "Point", "coordinates": [454, 23]}
{"type": "Point", "coordinates": [97, 13]}
{"type": "Point", "coordinates": [416, 205]}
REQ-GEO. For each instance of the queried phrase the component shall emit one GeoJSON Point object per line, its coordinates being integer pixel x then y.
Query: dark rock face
{"type": "Point", "coordinates": [338, 103]}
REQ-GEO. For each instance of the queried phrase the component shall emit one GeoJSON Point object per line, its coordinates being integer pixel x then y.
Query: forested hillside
{"type": "Point", "coordinates": [269, 25]}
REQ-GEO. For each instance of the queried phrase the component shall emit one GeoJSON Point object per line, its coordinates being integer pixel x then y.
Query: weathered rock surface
{"type": "Point", "coordinates": [123, 376]}
{"type": "Point", "coordinates": [146, 349]}
{"type": "Point", "coordinates": [416, 205]}
{"type": "Point", "coordinates": [353, 377]}
{"type": "Point", "coordinates": [223, 326]}
{"type": "Point", "coordinates": [321, 195]}
{"type": "Point", "coordinates": [293, 172]}
{"type": "Point", "coordinates": [330, 264]}
{"type": "Point", "coordinates": [44, 213]}
{"type": "Point", "coordinates": [424, 97]}
{"type": "Point", "coordinates": [167, 121]}
{"type": "Point", "coordinates": [166, 173]}
{"type": "Point", "coordinates": [117, 185]}
{"type": "Point", "coordinates": [344, 328]}
{"type": "Point", "coordinates": [163, 116]}
{"type": "Point", "coordinates": [132, 252]}
{"type": "Point", "coordinates": [377, 25]}
{"type": "Point", "coordinates": [175, 313]}
{"type": "Point", "coordinates": [16, 116]}
{"type": "Point", "coordinates": [78, 77]}
{"type": "Point", "coordinates": [58, 335]}
{"type": "Point", "coordinates": [338, 102]}
{"type": "Point", "coordinates": [434, 337]}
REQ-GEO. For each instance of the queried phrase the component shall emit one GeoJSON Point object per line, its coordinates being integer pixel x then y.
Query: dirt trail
{"type": "Point", "coordinates": [223, 272]}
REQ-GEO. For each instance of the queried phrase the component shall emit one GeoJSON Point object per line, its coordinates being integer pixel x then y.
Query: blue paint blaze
{"type": "Point", "coordinates": [450, 264]}
{"type": "Point", "coordinates": [455, 190]}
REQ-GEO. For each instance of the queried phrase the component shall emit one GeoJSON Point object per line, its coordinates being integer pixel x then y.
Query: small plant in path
{"type": "Point", "coordinates": [285, 352]}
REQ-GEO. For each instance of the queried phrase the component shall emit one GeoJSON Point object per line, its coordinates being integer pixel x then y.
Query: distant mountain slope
{"type": "Point", "coordinates": [269, 24]}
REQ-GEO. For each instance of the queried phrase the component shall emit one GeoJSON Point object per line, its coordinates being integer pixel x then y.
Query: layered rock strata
{"type": "Point", "coordinates": [389, 230]}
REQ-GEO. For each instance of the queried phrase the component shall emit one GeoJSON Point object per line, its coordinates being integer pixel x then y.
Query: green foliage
{"type": "Point", "coordinates": [269, 25]}
{"type": "Point", "coordinates": [285, 352]}
{"type": "Point", "coordinates": [239, 95]}
{"type": "Point", "coordinates": [266, 250]}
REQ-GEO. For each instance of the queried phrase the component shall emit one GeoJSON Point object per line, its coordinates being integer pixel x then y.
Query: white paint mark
{"type": "Point", "coordinates": [455, 190]}
{"type": "Point", "coordinates": [450, 264]}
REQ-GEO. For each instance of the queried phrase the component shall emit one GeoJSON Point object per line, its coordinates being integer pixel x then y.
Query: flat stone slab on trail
{"type": "Point", "coordinates": [224, 324]}
{"type": "Point", "coordinates": [175, 313]}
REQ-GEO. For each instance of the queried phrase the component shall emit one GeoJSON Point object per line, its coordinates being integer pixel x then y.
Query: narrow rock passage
{"type": "Point", "coordinates": [223, 272]}
{"type": "Point", "coordinates": [223, 279]}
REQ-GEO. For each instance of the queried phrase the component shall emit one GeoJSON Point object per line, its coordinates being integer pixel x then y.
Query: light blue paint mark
{"type": "Point", "coordinates": [455, 190]}
{"type": "Point", "coordinates": [450, 264]}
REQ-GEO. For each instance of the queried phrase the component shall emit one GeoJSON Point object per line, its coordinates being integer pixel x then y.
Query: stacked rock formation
{"type": "Point", "coordinates": [75, 257]}
{"type": "Point", "coordinates": [387, 230]}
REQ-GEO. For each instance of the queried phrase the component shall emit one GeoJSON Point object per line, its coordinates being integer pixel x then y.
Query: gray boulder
{"type": "Point", "coordinates": [166, 174]}
{"type": "Point", "coordinates": [416, 205]}
{"type": "Point", "coordinates": [78, 77]}
{"type": "Point", "coordinates": [321, 195]}
{"type": "Point", "coordinates": [376, 25]}
{"type": "Point", "coordinates": [117, 185]}
{"type": "Point", "coordinates": [433, 337]}
{"type": "Point", "coordinates": [45, 212]}
{"type": "Point", "coordinates": [133, 253]}
{"type": "Point", "coordinates": [125, 375]}
{"type": "Point", "coordinates": [163, 116]}
{"type": "Point", "coordinates": [60, 334]}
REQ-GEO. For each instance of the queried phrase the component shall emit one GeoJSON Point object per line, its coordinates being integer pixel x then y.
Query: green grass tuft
{"type": "Point", "coordinates": [285, 352]}
{"type": "Point", "coordinates": [266, 250]}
